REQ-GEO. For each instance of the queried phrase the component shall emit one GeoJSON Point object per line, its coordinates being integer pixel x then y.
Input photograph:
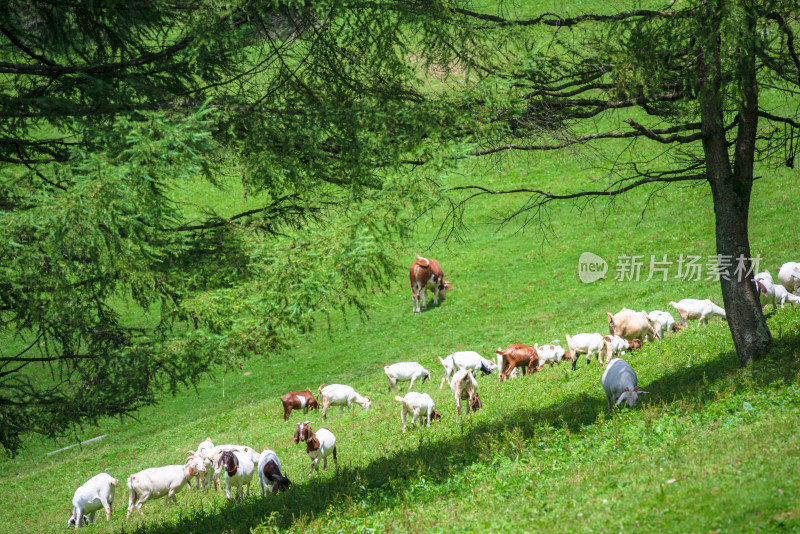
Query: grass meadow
{"type": "Point", "coordinates": [713, 447]}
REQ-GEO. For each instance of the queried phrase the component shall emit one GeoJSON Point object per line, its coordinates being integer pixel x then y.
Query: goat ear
{"type": "Point", "coordinates": [640, 392]}
{"type": "Point", "coordinates": [621, 398]}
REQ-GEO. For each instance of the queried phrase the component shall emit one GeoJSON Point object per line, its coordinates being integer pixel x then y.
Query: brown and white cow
{"type": "Point", "coordinates": [426, 274]}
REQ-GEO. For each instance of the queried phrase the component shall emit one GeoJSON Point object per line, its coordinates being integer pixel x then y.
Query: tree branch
{"type": "Point", "coordinates": [552, 19]}
{"type": "Point", "coordinates": [58, 70]}
{"type": "Point", "coordinates": [777, 17]}
{"type": "Point", "coordinates": [641, 131]}
{"type": "Point", "coordinates": [16, 42]}
{"type": "Point", "coordinates": [776, 118]}
{"type": "Point", "coordinates": [548, 197]}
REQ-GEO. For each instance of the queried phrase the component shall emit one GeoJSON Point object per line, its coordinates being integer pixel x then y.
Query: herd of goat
{"type": "Point", "coordinates": [236, 465]}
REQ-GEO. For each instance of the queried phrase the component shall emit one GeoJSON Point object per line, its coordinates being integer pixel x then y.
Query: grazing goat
{"type": "Point", "coordinates": [465, 387]}
{"type": "Point", "coordinates": [341, 396]}
{"type": "Point", "coordinates": [514, 372]}
{"type": "Point", "coordinates": [94, 494]}
{"type": "Point", "coordinates": [426, 274]}
{"type": "Point", "coordinates": [782, 296]}
{"type": "Point", "coordinates": [620, 384]}
{"type": "Point", "coordinates": [207, 479]}
{"type": "Point", "coordinates": [662, 322]}
{"type": "Point", "coordinates": [789, 276]}
{"type": "Point", "coordinates": [156, 482]}
{"type": "Point", "coordinates": [214, 454]}
{"type": "Point", "coordinates": [702, 310]}
{"type": "Point", "coordinates": [269, 474]}
{"type": "Point", "coordinates": [239, 469]}
{"type": "Point", "coordinates": [629, 324]}
{"type": "Point", "coordinates": [764, 276]}
{"type": "Point", "coordinates": [589, 344]}
{"type": "Point", "coordinates": [417, 403]}
{"type": "Point", "coordinates": [617, 345]}
{"type": "Point", "coordinates": [466, 359]}
{"type": "Point", "coordinates": [766, 292]}
{"type": "Point", "coordinates": [405, 371]}
{"type": "Point", "coordinates": [294, 400]}
{"type": "Point", "coordinates": [319, 445]}
{"type": "Point", "coordinates": [551, 354]}
{"type": "Point", "coordinates": [516, 355]}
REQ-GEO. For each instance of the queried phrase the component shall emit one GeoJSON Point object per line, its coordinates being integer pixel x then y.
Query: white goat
{"type": "Point", "coordinates": [702, 310]}
{"type": "Point", "coordinates": [405, 371]}
{"type": "Point", "coordinates": [617, 345]}
{"type": "Point", "coordinates": [620, 383]}
{"type": "Point", "coordinates": [341, 396]}
{"type": "Point", "coordinates": [214, 453]}
{"type": "Point", "coordinates": [550, 354]}
{"type": "Point", "coordinates": [789, 276]}
{"type": "Point", "coordinates": [766, 292]}
{"type": "Point", "coordinates": [467, 359]}
{"type": "Point", "coordinates": [465, 387]}
{"type": "Point", "coordinates": [589, 344]}
{"type": "Point", "coordinates": [202, 449]}
{"type": "Point", "coordinates": [269, 473]}
{"type": "Point", "coordinates": [764, 276]}
{"type": "Point", "coordinates": [156, 482]}
{"type": "Point", "coordinates": [663, 322]}
{"type": "Point", "coordinates": [239, 469]}
{"type": "Point", "coordinates": [319, 445]}
{"type": "Point", "coordinates": [416, 404]}
{"type": "Point", "coordinates": [94, 494]}
{"type": "Point", "coordinates": [782, 296]}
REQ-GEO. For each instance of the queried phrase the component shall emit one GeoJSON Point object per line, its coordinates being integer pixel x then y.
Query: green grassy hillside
{"type": "Point", "coordinates": [712, 448]}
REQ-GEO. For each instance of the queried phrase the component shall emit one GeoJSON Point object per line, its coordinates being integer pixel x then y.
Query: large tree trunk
{"type": "Point", "coordinates": [749, 330]}
{"type": "Point", "coordinates": [731, 188]}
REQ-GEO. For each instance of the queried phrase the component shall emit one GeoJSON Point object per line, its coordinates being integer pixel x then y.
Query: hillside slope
{"type": "Point", "coordinates": [713, 447]}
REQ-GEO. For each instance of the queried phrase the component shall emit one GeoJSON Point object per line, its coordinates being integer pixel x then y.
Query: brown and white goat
{"type": "Point", "coordinates": [425, 274]}
{"type": "Point", "coordinates": [523, 356]}
{"type": "Point", "coordinates": [319, 444]}
{"type": "Point", "coordinates": [294, 400]}
{"type": "Point", "coordinates": [270, 477]}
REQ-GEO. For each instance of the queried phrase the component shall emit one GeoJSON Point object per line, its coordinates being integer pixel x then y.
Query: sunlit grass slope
{"type": "Point", "coordinates": [713, 447]}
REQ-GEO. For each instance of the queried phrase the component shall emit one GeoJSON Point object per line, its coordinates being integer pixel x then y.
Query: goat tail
{"type": "Point", "coordinates": [399, 399]}
{"type": "Point", "coordinates": [500, 352]}
{"type": "Point", "coordinates": [421, 259]}
{"type": "Point", "coordinates": [319, 389]}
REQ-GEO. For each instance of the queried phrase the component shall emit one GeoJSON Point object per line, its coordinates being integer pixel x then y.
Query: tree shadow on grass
{"type": "Point", "coordinates": [374, 484]}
